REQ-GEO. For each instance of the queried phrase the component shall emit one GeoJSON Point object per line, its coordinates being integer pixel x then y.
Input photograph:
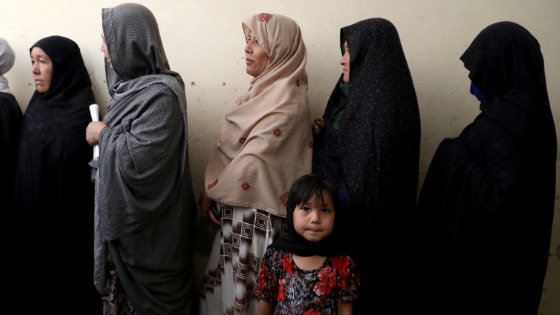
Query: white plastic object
{"type": "Point", "coordinates": [94, 112]}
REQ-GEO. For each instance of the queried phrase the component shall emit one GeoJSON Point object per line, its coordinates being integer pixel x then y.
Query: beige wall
{"type": "Point", "coordinates": [204, 43]}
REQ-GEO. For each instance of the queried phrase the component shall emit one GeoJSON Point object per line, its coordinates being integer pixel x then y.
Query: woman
{"type": "Point", "coordinates": [53, 192]}
{"type": "Point", "coordinates": [144, 200]}
{"type": "Point", "coordinates": [369, 146]}
{"type": "Point", "coordinates": [264, 145]}
{"type": "Point", "coordinates": [487, 203]}
{"type": "Point", "coordinates": [10, 120]}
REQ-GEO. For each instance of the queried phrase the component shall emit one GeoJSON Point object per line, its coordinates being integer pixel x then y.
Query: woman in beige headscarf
{"type": "Point", "coordinates": [264, 145]}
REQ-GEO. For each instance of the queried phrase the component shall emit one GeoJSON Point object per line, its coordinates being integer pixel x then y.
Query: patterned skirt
{"type": "Point", "coordinates": [114, 299]}
{"type": "Point", "coordinates": [234, 261]}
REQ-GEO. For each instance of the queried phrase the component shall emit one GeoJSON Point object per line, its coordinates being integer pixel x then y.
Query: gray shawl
{"type": "Point", "coordinates": [144, 199]}
{"type": "Point", "coordinates": [7, 58]}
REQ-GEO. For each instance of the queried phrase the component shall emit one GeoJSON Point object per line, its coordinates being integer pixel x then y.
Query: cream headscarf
{"type": "Point", "coordinates": [265, 143]}
{"type": "Point", "coordinates": [7, 58]}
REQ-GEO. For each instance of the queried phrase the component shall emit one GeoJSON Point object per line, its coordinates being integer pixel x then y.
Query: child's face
{"type": "Point", "coordinates": [314, 219]}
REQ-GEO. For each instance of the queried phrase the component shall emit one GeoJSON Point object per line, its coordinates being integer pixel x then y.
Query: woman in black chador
{"type": "Point", "coordinates": [369, 146]}
{"type": "Point", "coordinates": [486, 206]}
{"type": "Point", "coordinates": [53, 194]}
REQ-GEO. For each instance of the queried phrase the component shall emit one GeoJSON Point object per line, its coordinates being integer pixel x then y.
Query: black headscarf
{"type": "Point", "coordinates": [375, 151]}
{"type": "Point", "coordinates": [53, 154]}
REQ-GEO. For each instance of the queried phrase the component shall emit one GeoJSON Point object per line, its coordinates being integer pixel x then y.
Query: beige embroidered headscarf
{"type": "Point", "coordinates": [265, 143]}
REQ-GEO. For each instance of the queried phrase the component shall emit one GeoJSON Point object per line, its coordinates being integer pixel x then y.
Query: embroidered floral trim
{"type": "Point", "coordinates": [245, 186]}
{"type": "Point", "coordinates": [264, 17]}
{"type": "Point", "coordinates": [213, 184]}
{"type": "Point", "coordinates": [277, 132]}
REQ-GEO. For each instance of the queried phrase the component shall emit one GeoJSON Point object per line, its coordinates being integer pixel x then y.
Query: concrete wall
{"type": "Point", "coordinates": [204, 43]}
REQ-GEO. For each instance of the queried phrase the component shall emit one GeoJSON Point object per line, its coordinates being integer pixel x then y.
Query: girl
{"type": "Point", "coordinates": [304, 271]}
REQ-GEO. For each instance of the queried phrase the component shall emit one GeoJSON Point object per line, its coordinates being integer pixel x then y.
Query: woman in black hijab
{"type": "Point", "coordinates": [369, 146]}
{"type": "Point", "coordinates": [486, 206]}
{"type": "Point", "coordinates": [53, 191]}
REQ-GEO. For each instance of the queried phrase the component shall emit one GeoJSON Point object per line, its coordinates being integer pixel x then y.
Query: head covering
{"type": "Point", "coordinates": [139, 61]}
{"type": "Point", "coordinates": [265, 143]}
{"type": "Point", "coordinates": [134, 45]}
{"type": "Point", "coordinates": [137, 54]}
{"type": "Point", "coordinates": [69, 74]}
{"type": "Point", "coordinates": [503, 57]}
{"type": "Point", "coordinates": [303, 189]}
{"type": "Point", "coordinates": [53, 128]}
{"type": "Point", "coordinates": [144, 187]}
{"type": "Point", "coordinates": [7, 58]}
{"type": "Point", "coordinates": [506, 64]}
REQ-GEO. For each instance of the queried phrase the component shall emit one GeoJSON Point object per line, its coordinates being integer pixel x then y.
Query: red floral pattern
{"type": "Point", "coordinates": [327, 281]}
{"type": "Point", "coordinates": [297, 291]}
{"type": "Point", "coordinates": [277, 132]}
{"type": "Point", "coordinates": [212, 184]}
{"type": "Point", "coordinates": [284, 198]}
{"type": "Point", "coordinates": [245, 186]}
{"type": "Point", "coordinates": [264, 17]}
{"type": "Point", "coordinates": [242, 140]}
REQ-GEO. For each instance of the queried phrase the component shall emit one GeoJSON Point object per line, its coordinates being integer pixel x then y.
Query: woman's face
{"type": "Point", "coordinates": [41, 67]}
{"type": "Point", "coordinates": [105, 51]}
{"type": "Point", "coordinates": [345, 62]}
{"type": "Point", "coordinates": [255, 57]}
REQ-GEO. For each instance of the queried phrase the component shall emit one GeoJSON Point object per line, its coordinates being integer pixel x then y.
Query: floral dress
{"type": "Point", "coordinates": [297, 291]}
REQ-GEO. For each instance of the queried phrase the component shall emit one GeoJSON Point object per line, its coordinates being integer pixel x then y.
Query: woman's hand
{"type": "Point", "coordinates": [205, 204]}
{"type": "Point", "coordinates": [92, 132]}
{"type": "Point", "coordinates": [317, 126]}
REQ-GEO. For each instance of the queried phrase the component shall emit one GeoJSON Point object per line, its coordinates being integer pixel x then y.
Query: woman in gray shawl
{"type": "Point", "coordinates": [144, 201]}
{"type": "Point", "coordinates": [10, 120]}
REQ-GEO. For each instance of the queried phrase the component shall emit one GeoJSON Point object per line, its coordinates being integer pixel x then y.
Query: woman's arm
{"type": "Point", "coordinates": [265, 308]}
{"type": "Point", "coordinates": [343, 308]}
